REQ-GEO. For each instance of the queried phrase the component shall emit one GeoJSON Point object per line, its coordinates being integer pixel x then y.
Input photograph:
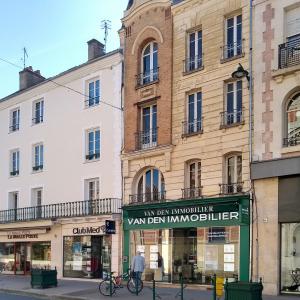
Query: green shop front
{"type": "Point", "coordinates": [195, 238]}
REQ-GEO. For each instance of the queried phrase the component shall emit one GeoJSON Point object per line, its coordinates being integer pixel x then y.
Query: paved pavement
{"type": "Point", "coordinates": [88, 290]}
{"type": "Point", "coordinates": [4, 296]}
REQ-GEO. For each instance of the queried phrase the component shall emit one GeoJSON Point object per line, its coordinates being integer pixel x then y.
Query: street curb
{"type": "Point", "coordinates": [41, 296]}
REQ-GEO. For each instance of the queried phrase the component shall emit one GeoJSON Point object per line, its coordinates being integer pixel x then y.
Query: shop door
{"type": "Point", "coordinates": [22, 261]}
{"type": "Point", "coordinates": [96, 261]}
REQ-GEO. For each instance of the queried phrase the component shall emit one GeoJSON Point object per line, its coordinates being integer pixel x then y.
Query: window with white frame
{"type": "Point", "coordinates": [14, 162]}
{"type": "Point", "coordinates": [38, 112]}
{"type": "Point", "coordinates": [150, 186]}
{"type": "Point", "coordinates": [93, 144]}
{"type": "Point", "coordinates": [194, 59]}
{"type": "Point", "coordinates": [234, 182]}
{"type": "Point", "coordinates": [233, 35]}
{"type": "Point", "coordinates": [147, 138]}
{"type": "Point", "coordinates": [37, 200]}
{"type": "Point", "coordinates": [234, 103]}
{"type": "Point", "coordinates": [194, 113]}
{"type": "Point", "coordinates": [38, 157]}
{"type": "Point", "coordinates": [193, 179]}
{"type": "Point", "coordinates": [92, 189]}
{"type": "Point", "coordinates": [149, 64]}
{"type": "Point", "coordinates": [292, 117]}
{"type": "Point", "coordinates": [93, 93]}
{"type": "Point", "coordinates": [14, 120]}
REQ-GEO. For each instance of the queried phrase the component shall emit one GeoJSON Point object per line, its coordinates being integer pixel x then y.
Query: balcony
{"type": "Point", "coordinates": [154, 197]}
{"type": "Point", "coordinates": [191, 193]}
{"type": "Point", "coordinates": [62, 210]}
{"type": "Point", "coordinates": [192, 64]}
{"type": "Point", "coordinates": [37, 120]}
{"type": "Point", "coordinates": [291, 141]}
{"type": "Point", "coordinates": [14, 127]}
{"type": "Point", "coordinates": [14, 173]}
{"type": "Point", "coordinates": [37, 168]}
{"type": "Point", "coordinates": [147, 77]}
{"type": "Point", "coordinates": [230, 119]}
{"type": "Point", "coordinates": [146, 139]}
{"type": "Point", "coordinates": [92, 156]}
{"type": "Point", "coordinates": [191, 128]}
{"type": "Point", "coordinates": [232, 51]}
{"type": "Point", "coordinates": [289, 54]}
{"type": "Point", "coordinates": [232, 188]}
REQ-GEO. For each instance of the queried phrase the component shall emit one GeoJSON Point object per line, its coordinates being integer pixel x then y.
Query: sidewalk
{"type": "Point", "coordinates": [88, 290]}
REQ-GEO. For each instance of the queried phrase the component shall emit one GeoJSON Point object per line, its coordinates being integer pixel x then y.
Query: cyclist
{"type": "Point", "coordinates": [138, 265]}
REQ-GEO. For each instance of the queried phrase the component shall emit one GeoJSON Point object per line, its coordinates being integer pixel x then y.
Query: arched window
{"type": "Point", "coordinates": [150, 186]}
{"type": "Point", "coordinates": [233, 175]}
{"type": "Point", "coordinates": [193, 180]}
{"type": "Point", "coordinates": [293, 121]}
{"type": "Point", "coordinates": [149, 63]}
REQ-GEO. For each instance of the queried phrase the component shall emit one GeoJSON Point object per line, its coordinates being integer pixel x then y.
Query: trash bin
{"type": "Point", "coordinates": [43, 278]}
{"type": "Point", "coordinates": [243, 290]}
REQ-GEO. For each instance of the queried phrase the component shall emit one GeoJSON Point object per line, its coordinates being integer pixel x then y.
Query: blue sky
{"type": "Point", "coordinates": [54, 33]}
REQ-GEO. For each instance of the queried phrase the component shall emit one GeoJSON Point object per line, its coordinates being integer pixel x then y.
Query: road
{"type": "Point", "coordinates": [4, 296]}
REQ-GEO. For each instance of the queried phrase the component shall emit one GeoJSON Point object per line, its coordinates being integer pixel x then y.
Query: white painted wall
{"type": "Point", "coordinates": [63, 135]}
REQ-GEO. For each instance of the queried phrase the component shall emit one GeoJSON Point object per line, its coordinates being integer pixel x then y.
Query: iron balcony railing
{"type": "Point", "coordinates": [14, 173]}
{"type": "Point", "coordinates": [92, 102]}
{"type": "Point", "coordinates": [289, 53]}
{"type": "Point", "coordinates": [232, 50]}
{"type": "Point", "coordinates": [14, 127]}
{"type": "Point", "coordinates": [38, 119]}
{"type": "Point", "coordinates": [92, 156]}
{"type": "Point", "coordinates": [37, 168]}
{"type": "Point", "coordinates": [231, 188]}
{"type": "Point", "coordinates": [191, 64]}
{"type": "Point", "coordinates": [190, 193]}
{"type": "Point", "coordinates": [191, 127]}
{"type": "Point", "coordinates": [291, 141]}
{"type": "Point", "coordinates": [147, 197]}
{"type": "Point", "coordinates": [146, 139]}
{"type": "Point", "coordinates": [62, 210]}
{"type": "Point", "coordinates": [231, 118]}
{"type": "Point", "coordinates": [147, 77]}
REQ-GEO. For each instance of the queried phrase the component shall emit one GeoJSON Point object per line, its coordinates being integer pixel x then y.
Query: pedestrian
{"type": "Point", "coordinates": [138, 265]}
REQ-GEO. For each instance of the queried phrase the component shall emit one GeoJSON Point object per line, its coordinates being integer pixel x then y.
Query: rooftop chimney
{"type": "Point", "coordinates": [29, 78]}
{"type": "Point", "coordinates": [96, 49]}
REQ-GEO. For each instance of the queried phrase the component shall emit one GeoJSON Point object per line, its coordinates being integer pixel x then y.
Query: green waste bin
{"type": "Point", "coordinates": [243, 290]}
{"type": "Point", "coordinates": [43, 278]}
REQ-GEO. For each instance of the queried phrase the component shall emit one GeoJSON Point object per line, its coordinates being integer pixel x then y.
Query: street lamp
{"type": "Point", "coordinates": [240, 73]}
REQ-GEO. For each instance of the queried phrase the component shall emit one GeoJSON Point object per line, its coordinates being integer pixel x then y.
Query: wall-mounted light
{"type": "Point", "coordinates": [240, 73]}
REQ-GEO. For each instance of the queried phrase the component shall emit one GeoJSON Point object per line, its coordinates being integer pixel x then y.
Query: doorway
{"type": "Point", "coordinates": [22, 258]}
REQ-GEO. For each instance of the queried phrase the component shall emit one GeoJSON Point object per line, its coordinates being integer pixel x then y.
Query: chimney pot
{"type": "Point", "coordinates": [95, 49]}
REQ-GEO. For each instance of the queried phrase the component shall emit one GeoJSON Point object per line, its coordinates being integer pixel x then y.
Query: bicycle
{"type": "Point", "coordinates": [111, 283]}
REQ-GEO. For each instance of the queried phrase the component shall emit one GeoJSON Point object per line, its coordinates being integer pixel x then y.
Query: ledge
{"type": "Point", "coordinates": [138, 87]}
{"type": "Point", "coordinates": [192, 71]}
{"type": "Point", "coordinates": [232, 125]}
{"type": "Point", "coordinates": [290, 149]}
{"type": "Point", "coordinates": [186, 135]}
{"type": "Point", "coordinates": [225, 60]}
{"type": "Point", "coordinates": [279, 74]}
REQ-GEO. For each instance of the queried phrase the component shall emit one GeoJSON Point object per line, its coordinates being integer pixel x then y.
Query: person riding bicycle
{"type": "Point", "coordinates": [138, 265]}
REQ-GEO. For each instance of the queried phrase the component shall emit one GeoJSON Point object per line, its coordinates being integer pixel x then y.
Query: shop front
{"type": "Point", "coordinates": [195, 239]}
{"type": "Point", "coordinates": [89, 251]}
{"type": "Point", "coordinates": [23, 250]}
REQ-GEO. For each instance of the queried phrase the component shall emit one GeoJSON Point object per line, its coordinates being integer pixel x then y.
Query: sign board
{"type": "Point", "coordinates": [110, 227]}
{"type": "Point", "coordinates": [89, 230]}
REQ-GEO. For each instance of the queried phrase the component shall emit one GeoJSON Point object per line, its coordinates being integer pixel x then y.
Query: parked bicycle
{"type": "Point", "coordinates": [111, 283]}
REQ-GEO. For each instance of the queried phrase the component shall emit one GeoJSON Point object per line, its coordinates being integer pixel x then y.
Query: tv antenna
{"type": "Point", "coordinates": [25, 55]}
{"type": "Point", "coordinates": [106, 25]}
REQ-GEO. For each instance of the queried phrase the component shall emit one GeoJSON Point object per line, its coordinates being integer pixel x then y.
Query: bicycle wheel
{"type": "Point", "coordinates": [104, 288]}
{"type": "Point", "coordinates": [134, 283]}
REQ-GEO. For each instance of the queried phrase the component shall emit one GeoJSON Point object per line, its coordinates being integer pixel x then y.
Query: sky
{"type": "Point", "coordinates": [54, 33]}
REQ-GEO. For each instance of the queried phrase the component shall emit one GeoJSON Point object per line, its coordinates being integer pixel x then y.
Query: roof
{"type": "Point", "coordinates": [61, 74]}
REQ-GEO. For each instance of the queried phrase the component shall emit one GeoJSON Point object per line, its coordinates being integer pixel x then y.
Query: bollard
{"type": "Point", "coordinates": [136, 284]}
{"type": "Point", "coordinates": [181, 287]}
{"type": "Point", "coordinates": [153, 290]}
{"type": "Point", "coordinates": [214, 280]}
{"type": "Point", "coordinates": [110, 285]}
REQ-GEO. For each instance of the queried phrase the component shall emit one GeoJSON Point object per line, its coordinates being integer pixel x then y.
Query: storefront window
{"type": "Point", "coordinates": [41, 255]}
{"type": "Point", "coordinates": [7, 258]}
{"type": "Point", "coordinates": [290, 257]}
{"type": "Point", "coordinates": [86, 256]}
{"type": "Point", "coordinates": [194, 253]}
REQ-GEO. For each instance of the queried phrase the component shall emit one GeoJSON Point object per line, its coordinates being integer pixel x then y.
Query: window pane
{"type": "Point", "coordinates": [192, 175]}
{"type": "Point", "coordinates": [192, 45]}
{"type": "Point", "coordinates": [239, 94]}
{"type": "Point", "coordinates": [155, 181]}
{"type": "Point", "coordinates": [191, 109]}
{"type": "Point", "coordinates": [239, 34]}
{"type": "Point", "coordinates": [91, 143]}
{"type": "Point", "coordinates": [199, 174]}
{"type": "Point", "coordinates": [146, 119]}
{"type": "Point", "coordinates": [199, 106]}
{"type": "Point", "coordinates": [97, 141]}
{"type": "Point", "coordinates": [148, 182]}
{"type": "Point", "coordinates": [41, 155]}
{"type": "Point", "coordinates": [230, 98]}
{"type": "Point", "coordinates": [239, 168]}
{"type": "Point", "coordinates": [199, 47]}
{"type": "Point", "coordinates": [97, 92]}
{"type": "Point", "coordinates": [141, 186]}
{"type": "Point", "coordinates": [154, 116]}
{"type": "Point", "coordinates": [230, 170]}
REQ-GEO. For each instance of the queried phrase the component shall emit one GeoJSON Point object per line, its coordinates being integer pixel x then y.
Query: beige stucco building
{"type": "Point", "coordinates": [276, 166]}
{"type": "Point", "coordinates": [202, 159]}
